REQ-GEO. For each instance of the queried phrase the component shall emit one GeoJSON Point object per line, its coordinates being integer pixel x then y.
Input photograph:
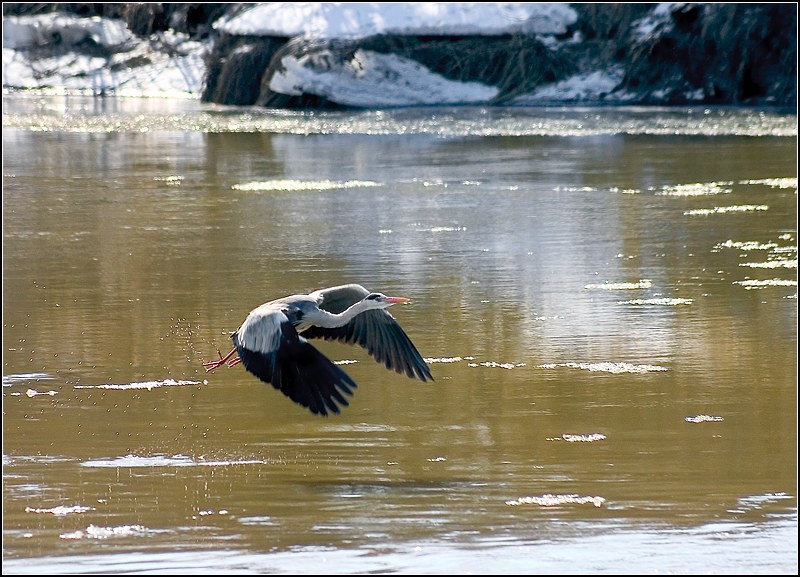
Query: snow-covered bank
{"type": "Point", "coordinates": [329, 63]}
{"type": "Point", "coordinates": [405, 54]}
{"type": "Point", "coordinates": [67, 53]}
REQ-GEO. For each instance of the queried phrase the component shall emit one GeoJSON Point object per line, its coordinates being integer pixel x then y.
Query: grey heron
{"type": "Point", "coordinates": [272, 343]}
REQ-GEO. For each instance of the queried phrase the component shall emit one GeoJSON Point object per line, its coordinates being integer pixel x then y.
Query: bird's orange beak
{"type": "Point", "coordinates": [395, 300]}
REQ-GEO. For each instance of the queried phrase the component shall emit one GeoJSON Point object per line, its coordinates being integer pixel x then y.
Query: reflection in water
{"type": "Point", "coordinates": [603, 319]}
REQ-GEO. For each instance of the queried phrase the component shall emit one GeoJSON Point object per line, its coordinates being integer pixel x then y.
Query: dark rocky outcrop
{"type": "Point", "coordinates": [236, 66]}
{"type": "Point", "coordinates": [733, 53]}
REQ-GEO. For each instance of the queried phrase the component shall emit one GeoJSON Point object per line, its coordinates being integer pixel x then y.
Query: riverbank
{"type": "Point", "coordinates": [323, 55]}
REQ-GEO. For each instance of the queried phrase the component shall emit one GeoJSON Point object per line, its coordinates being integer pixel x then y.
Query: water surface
{"type": "Point", "coordinates": [607, 299]}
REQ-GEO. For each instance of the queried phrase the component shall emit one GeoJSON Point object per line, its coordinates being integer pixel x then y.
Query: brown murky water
{"type": "Point", "coordinates": [607, 299]}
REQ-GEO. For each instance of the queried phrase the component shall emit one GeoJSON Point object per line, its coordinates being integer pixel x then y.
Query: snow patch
{"type": "Point", "coordinates": [358, 20]}
{"type": "Point", "coordinates": [594, 86]}
{"type": "Point", "coordinates": [373, 79]}
{"type": "Point", "coordinates": [63, 29]}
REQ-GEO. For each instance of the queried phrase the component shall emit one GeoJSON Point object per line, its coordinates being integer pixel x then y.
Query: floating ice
{"type": "Point", "coordinates": [618, 286]}
{"type": "Point", "coordinates": [34, 393]}
{"type": "Point", "coordinates": [134, 461]}
{"type": "Point", "coordinates": [607, 367]}
{"type": "Point", "coordinates": [299, 185]}
{"type": "Point", "coordinates": [495, 364]}
{"type": "Point", "coordinates": [789, 263]}
{"type": "Point", "coordinates": [703, 419]}
{"type": "Point", "coordinates": [579, 438]}
{"type": "Point", "coordinates": [549, 500]}
{"type": "Point", "coordinates": [774, 182]}
{"type": "Point", "coordinates": [61, 510]}
{"type": "Point", "coordinates": [746, 245]}
{"type": "Point", "coordinates": [9, 380]}
{"type": "Point", "coordinates": [751, 284]}
{"type": "Point", "coordinates": [149, 385]}
{"type": "Point", "coordinates": [661, 301]}
{"type": "Point", "coordinates": [696, 189]}
{"type": "Point", "coordinates": [95, 532]}
{"type": "Point", "coordinates": [448, 228]}
{"type": "Point", "coordinates": [758, 501]}
{"type": "Point", "coordinates": [447, 359]}
{"type": "Point", "coordinates": [725, 209]}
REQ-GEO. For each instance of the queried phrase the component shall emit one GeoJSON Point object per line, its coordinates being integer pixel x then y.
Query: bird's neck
{"type": "Point", "coordinates": [328, 320]}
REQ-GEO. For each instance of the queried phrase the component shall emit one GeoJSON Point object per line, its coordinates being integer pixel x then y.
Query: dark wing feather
{"type": "Point", "coordinates": [299, 371]}
{"type": "Point", "coordinates": [384, 339]}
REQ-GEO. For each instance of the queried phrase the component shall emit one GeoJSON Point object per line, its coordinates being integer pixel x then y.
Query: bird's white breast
{"type": "Point", "coordinates": [261, 330]}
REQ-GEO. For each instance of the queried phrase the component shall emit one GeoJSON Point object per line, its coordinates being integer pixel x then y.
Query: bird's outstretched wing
{"type": "Point", "coordinates": [271, 349]}
{"type": "Point", "coordinates": [375, 330]}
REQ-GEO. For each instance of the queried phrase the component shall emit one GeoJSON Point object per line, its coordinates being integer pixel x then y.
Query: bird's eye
{"type": "Point", "coordinates": [373, 297]}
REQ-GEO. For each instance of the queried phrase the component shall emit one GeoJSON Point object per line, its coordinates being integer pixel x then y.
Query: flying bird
{"type": "Point", "coordinates": [272, 343]}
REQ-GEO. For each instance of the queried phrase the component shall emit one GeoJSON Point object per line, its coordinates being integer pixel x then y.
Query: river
{"type": "Point", "coordinates": [607, 299]}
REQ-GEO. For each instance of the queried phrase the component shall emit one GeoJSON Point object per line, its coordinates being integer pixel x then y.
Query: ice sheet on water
{"type": "Point", "coordinates": [302, 185]}
{"type": "Point", "coordinates": [549, 500]}
{"type": "Point", "coordinates": [95, 532]}
{"type": "Point", "coordinates": [703, 419]}
{"type": "Point", "coordinates": [13, 379]}
{"type": "Point", "coordinates": [727, 209]}
{"type": "Point", "coordinates": [570, 438]}
{"type": "Point", "coordinates": [160, 460]}
{"type": "Point", "coordinates": [658, 301]}
{"type": "Point", "coordinates": [607, 367]}
{"type": "Point", "coordinates": [149, 385]}
{"type": "Point", "coordinates": [620, 286]}
{"type": "Point", "coordinates": [60, 510]}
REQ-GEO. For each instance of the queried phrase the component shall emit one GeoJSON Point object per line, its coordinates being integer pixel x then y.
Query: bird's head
{"type": "Point", "coordinates": [381, 301]}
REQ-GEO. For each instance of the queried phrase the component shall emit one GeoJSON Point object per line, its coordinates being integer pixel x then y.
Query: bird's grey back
{"type": "Point", "coordinates": [339, 298]}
